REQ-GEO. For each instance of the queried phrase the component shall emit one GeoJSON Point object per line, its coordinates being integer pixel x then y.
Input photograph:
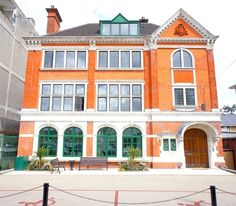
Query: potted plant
{"type": "Point", "coordinates": [132, 164]}
{"type": "Point", "coordinates": [38, 163]}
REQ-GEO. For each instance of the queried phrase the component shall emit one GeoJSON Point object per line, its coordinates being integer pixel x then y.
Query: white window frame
{"type": "Point", "coordinates": [62, 96]}
{"type": "Point", "coordinates": [182, 59]}
{"type": "Point", "coordinates": [169, 143]}
{"type": "Point", "coordinates": [120, 68]}
{"type": "Point", "coordinates": [184, 95]}
{"type": "Point", "coordinates": [64, 67]}
{"type": "Point", "coordinates": [120, 96]}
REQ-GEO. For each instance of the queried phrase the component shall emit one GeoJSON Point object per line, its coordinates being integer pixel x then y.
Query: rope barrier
{"type": "Point", "coordinates": [18, 193]}
{"type": "Point", "coordinates": [128, 203]}
{"type": "Point", "coordinates": [226, 192]}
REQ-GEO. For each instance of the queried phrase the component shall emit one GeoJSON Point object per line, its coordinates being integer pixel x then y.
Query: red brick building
{"type": "Point", "coordinates": [96, 89]}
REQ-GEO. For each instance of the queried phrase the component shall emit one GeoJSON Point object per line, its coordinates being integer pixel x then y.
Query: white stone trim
{"type": "Point", "coordinates": [177, 116]}
{"type": "Point", "coordinates": [187, 18]}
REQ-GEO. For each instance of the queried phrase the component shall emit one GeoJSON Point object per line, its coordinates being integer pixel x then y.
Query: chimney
{"type": "Point", "coordinates": [54, 20]}
{"type": "Point", "coordinates": [143, 20]}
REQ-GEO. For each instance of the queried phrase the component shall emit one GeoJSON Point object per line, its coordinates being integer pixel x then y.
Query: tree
{"type": "Point", "coordinates": [229, 109]}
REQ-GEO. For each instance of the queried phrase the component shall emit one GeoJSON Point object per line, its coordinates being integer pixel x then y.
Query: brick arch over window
{"type": "Point", "coordinates": [131, 137]}
{"type": "Point", "coordinates": [106, 142]}
{"type": "Point", "coordinates": [182, 58]}
{"type": "Point", "coordinates": [73, 142]}
{"type": "Point", "coordinates": [48, 138]}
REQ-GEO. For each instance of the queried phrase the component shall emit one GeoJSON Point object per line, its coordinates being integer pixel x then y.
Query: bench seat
{"type": "Point", "coordinates": [93, 161]}
{"type": "Point", "coordinates": [56, 165]}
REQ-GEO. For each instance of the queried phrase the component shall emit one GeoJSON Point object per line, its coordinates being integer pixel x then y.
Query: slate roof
{"type": "Point", "coordinates": [228, 120]}
{"type": "Point", "coordinates": [93, 30]}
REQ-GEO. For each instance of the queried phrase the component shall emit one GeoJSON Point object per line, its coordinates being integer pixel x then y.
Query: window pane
{"type": "Point", "coordinates": [136, 59]}
{"type": "Point", "coordinates": [48, 59]}
{"type": "Point", "coordinates": [115, 29]}
{"type": "Point", "coordinates": [80, 89]}
{"type": "Point", "coordinates": [114, 104]}
{"type": "Point", "coordinates": [190, 97]}
{"type": "Point", "coordinates": [106, 29]}
{"type": "Point", "coordinates": [113, 89]}
{"type": "Point", "coordinates": [103, 59]}
{"type": "Point", "coordinates": [59, 60]}
{"type": "Point", "coordinates": [57, 89]}
{"type": "Point", "coordinates": [102, 104]}
{"type": "Point", "coordinates": [125, 59]}
{"type": "Point", "coordinates": [179, 97]}
{"type": "Point", "coordinates": [45, 103]}
{"type": "Point", "coordinates": [136, 89]}
{"type": "Point", "coordinates": [125, 89]}
{"type": "Point", "coordinates": [177, 59]}
{"type": "Point", "coordinates": [56, 104]}
{"type": "Point", "coordinates": [165, 144]}
{"type": "Point", "coordinates": [136, 104]}
{"type": "Point", "coordinates": [70, 59]}
{"type": "Point", "coordinates": [187, 59]}
{"type": "Point", "coordinates": [125, 104]}
{"type": "Point", "coordinates": [46, 89]}
{"type": "Point", "coordinates": [68, 90]}
{"type": "Point", "coordinates": [79, 103]}
{"type": "Point", "coordinates": [68, 103]}
{"type": "Point", "coordinates": [133, 29]}
{"type": "Point", "coordinates": [173, 145]}
{"type": "Point", "coordinates": [124, 29]}
{"type": "Point", "coordinates": [102, 89]}
{"type": "Point", "coordinates": [114, 59]}
{"type": "Point", "coordinates": [81, 59]}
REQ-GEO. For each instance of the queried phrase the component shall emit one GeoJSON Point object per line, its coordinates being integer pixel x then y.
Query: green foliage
{"type": "Point", "coordinates": [132, 164]}
{"type": "Point", "coordinates": [229, 109]}
{"type": "Point", "coordinates": [38, 163]}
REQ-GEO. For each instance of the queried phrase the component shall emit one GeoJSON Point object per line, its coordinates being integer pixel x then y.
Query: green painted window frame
{"type": "Point", "coordinates": [107, 137]}
{"type": "Point", "coordinates": [169, 145]}
{"type": "Point", "coordinates": [131, 138]}
{"type": "Point", "coordinates": [47, 136]}
{"type": "Point", "coordinates": [73, 137]}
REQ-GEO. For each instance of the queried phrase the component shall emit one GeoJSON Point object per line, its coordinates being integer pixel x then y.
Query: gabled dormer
{"type": "Point", "coordinates": [119, 26]}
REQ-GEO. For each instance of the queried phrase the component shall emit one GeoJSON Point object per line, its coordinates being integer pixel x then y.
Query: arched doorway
{"type": "Point", "coordinates": [196, 148]}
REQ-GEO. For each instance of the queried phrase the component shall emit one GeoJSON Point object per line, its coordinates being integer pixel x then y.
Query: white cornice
{"type": "Point", "coordinates": [91, 40]}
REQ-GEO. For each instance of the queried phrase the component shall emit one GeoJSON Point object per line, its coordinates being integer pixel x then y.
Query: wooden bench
{"type": "Point", "coordinates": [93, 161]}
{"type": "Point", "coordinates": [56, 165]}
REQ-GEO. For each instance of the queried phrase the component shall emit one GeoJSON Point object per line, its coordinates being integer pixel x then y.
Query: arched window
{"type": "Point", "coordinates": [106, 142]}
{"type": "Point", "coordinates": [182, 59]}
{"type": "Point", "coordinates": [73, 142]}
{"type": "Point", "coordinates": [132, 137]}
{"type": "Point", "coordinates": [48, 139]}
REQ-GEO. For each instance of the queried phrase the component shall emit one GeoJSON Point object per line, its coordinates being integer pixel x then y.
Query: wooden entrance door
{"type": "Point", "coordinates": [195, 148]}
{"type": "Point", "coordinates": [229, 159]}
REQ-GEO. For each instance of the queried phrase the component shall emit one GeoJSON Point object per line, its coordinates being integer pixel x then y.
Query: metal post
{"type": "Point", "coordinates": [213, 195]}
{"type": "Point", "coordinates": [45, 194]}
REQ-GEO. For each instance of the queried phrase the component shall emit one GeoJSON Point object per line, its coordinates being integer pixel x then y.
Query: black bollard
{"type": "Point", "coordinates": [213, 195]}
{"type": "Point", "coordinates": [45, 194]}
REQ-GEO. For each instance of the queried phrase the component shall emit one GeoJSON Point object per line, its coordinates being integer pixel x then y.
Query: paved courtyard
{"type": "Point", "coordinates": [100, 187]}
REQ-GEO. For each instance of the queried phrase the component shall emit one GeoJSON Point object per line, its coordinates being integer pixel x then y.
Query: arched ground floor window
{"type": "Point", "coordinates": [73, 142]}
{"type": "Point", "coordinates": [106, 142]}
{"type": "Point", "coordinates": [48, 139]}
{"type": "Point", "coordinates": [131, 137]}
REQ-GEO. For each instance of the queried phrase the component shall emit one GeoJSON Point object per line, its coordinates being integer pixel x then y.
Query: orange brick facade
{"type": "Point", "coordinates": [161, 122]}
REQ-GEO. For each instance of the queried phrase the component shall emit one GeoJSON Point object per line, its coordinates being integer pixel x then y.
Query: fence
{"type": "Point", "coordinates": [46, 187]}
{"type": "Point", "coordinates": [8, 151]}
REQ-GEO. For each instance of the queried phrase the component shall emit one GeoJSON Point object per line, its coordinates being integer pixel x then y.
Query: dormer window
{"type": "Point", "coordinates": [119, 26]}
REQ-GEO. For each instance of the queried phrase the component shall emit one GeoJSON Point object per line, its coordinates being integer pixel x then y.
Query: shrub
{"type": "Point", "coordinates": [132, 164]}
{"type": "Point", "coordinates": [38, 163]}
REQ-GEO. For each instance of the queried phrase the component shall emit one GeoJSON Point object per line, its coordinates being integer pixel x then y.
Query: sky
{"type": "Point", "coordinates": [216, 16]}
